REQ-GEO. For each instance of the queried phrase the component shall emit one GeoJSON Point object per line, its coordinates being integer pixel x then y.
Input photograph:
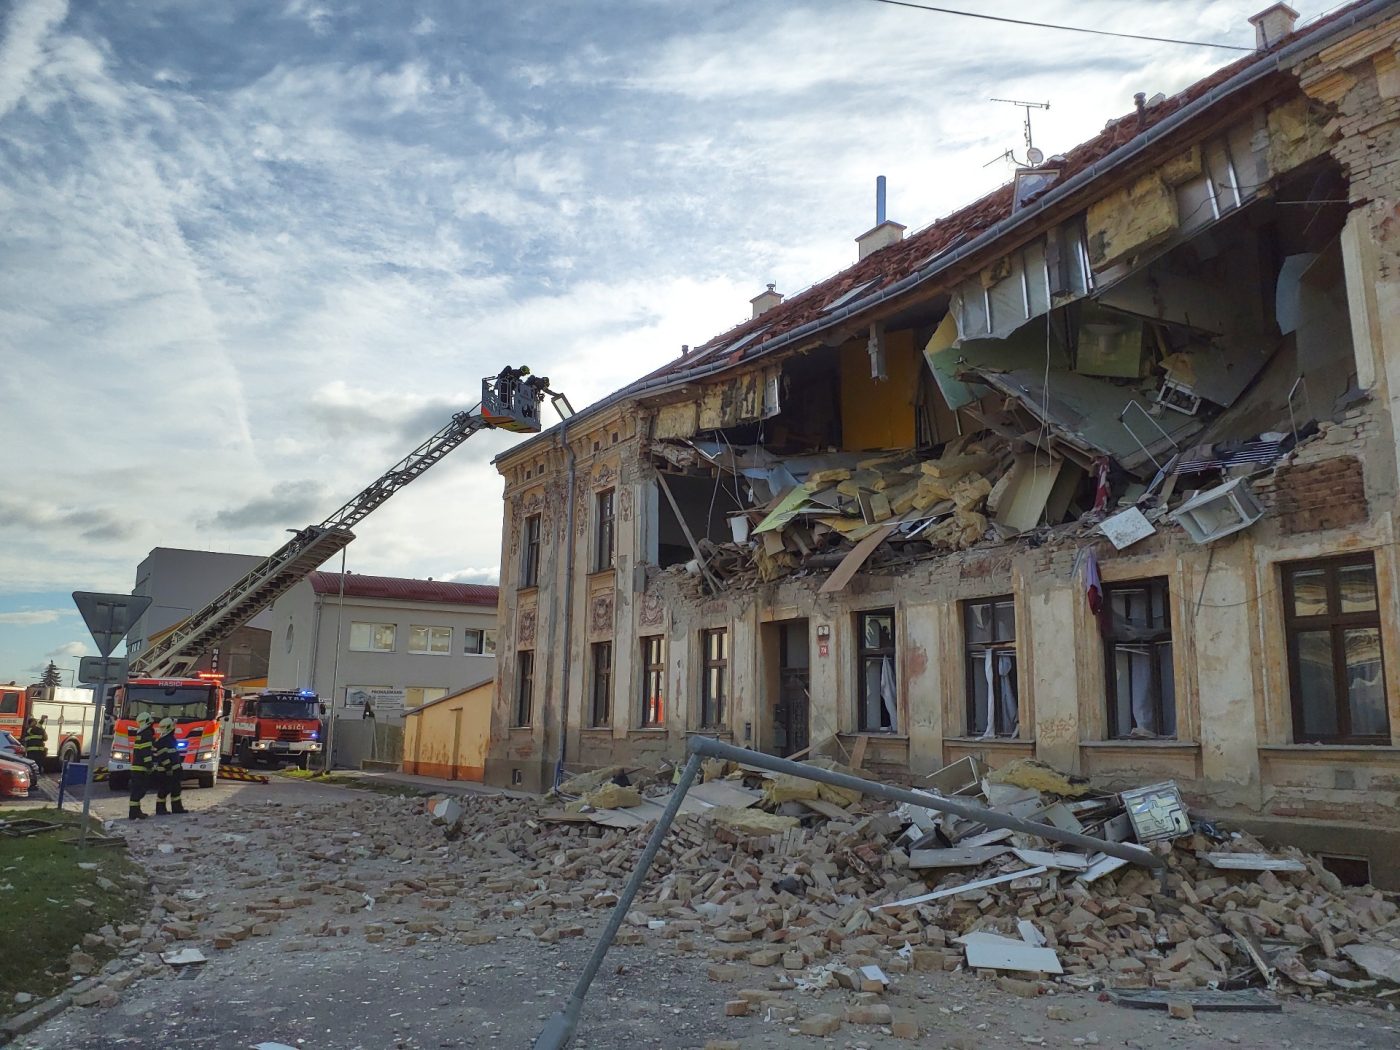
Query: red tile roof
{"type": "Point", "coordinates": [396, 589]}
{"type": "Point", "coordinates": [901, 260]}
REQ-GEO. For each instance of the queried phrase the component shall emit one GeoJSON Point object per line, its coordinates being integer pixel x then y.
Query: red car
{"type": "Point", "coordinates": [15, 780]}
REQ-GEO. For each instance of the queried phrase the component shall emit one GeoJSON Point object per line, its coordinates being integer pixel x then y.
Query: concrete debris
{"type": "Point", "coordinates": [1037, 776]}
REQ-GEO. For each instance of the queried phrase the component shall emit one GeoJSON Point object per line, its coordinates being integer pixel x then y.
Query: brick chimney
{"type": "Point", "coordinates": [765, 301]}
{"type": "Point", "coordinates": [884, 232]}
{"type": "Point", "coordinates": [1273, 24]}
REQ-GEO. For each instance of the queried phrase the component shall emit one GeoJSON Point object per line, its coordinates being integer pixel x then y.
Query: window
{"type": "Point", "coordinates": [989, 627]}
{"type": "Point", "coordinates": [9, 702]}
{"type": "Point", "coordinates": [602, 685]}
{"type": "Point", "coordinates": [418, 695]}
{"type": "Point", "coordinates": [372, 637]}
{"type": "Point", "coordinates": [605, 554]}
{"type": "Point", "coordinates": [430, 640]}
{"type": "Point", "coordinates": [1336, 674]}
{"type": "Point", "coordinates": [524, 686]}
{"type": "Point", "coordinates": [714, 686]}
{"type": "Point", "coordinates": [875, 655]}
{"type": "Point", "coordinates": [653, 682]}
{"type": "Point", "coordinates": [530, 553]}
{"type": "Point", "coordinates": [1137, 631]}
{"type": "Point", "coordinates": [479, 641]}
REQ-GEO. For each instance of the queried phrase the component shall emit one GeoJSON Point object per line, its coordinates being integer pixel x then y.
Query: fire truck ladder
{"type": "Point", "coordinates": [508, 402]}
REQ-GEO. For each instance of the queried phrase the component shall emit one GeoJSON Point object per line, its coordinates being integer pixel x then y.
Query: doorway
{"type": "Point", "coordinates": [791, 712]}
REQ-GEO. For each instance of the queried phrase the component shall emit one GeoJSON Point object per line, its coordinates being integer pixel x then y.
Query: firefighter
{"type": "Point", "coordinates": [141, 755]}
{"type": "Point", "coordinates": [36, 741]}
{"type": "Point", "coordinates": [167, 765]}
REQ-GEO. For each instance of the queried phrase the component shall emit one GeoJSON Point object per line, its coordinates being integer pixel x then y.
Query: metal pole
{"type": "Point", "coordinates": [560, 1028]}
{"type": "Point", "coordinates": [99, 691]}
{"type": "Point", "coordinates": [991, 818]}
{"type": "Point", "coordinates": [335, 666]}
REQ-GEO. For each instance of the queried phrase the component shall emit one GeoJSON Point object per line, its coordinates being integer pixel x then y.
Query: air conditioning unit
{"type": "Point", "coordinates": [1217, 512]}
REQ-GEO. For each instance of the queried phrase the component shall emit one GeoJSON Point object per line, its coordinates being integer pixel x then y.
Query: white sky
{"type": "Point", "coordinates": [252, 254]}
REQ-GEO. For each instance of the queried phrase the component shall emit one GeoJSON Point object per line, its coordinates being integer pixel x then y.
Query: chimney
{"type": "Point", "coordinates": [765, 301]}
{"type": "Point", "coordinates": [1273, 24]}
{"type": "Point", "coordinates": [884, 232]}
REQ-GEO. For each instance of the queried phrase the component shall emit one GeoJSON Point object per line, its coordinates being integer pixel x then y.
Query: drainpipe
{"type": "Point", "coordinates": [568, 610]}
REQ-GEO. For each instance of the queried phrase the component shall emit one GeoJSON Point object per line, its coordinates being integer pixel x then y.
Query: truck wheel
{"type": "Point", "coordinates": [69, 752]}
{"type": "Point", "coordinates": [119, 781]}
{"type": "Point", "coordinates": [206, 780]}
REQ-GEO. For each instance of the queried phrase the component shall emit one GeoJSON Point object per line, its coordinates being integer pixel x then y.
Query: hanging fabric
{"type": "Point", "coordinates": [887, 693]}
{"type": "Point", "coordinates": [991, 714]}
{"type": "Point", "coordinates": [1010, 708]}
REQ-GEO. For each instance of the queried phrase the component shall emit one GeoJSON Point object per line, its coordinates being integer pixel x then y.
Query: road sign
{"type": "Point", "coordinates": [95, 669]}
{"type": "Point", "coordinates": [110, 617]}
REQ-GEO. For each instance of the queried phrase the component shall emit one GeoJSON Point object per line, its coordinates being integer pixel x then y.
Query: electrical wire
{"type": "Point", "coordinates": [1067, 29]}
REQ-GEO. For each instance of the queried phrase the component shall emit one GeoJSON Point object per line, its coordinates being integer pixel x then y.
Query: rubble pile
{"type": "Point", "coordinates": [821, 887]}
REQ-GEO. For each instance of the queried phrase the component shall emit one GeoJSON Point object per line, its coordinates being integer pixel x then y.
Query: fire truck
{"type": "Point", "coordinates": [276, 724]}
{"type": "Point", "coordinates": [198, 706]}
{"type": "Point", "coordinates": [65, 713]}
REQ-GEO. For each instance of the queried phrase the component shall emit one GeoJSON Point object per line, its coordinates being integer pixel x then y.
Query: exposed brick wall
{"type": "Point", "coordinates": [1327, 494]}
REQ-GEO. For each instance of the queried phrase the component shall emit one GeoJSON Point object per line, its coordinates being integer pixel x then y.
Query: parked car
{"type": "Point", "coordinates": [12, 749]}
{"type": "Point", "coordinates": [15, 777]}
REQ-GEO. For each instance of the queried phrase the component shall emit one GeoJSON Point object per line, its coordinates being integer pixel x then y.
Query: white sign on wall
{"type": "Point", "coordinates": [386, 700]}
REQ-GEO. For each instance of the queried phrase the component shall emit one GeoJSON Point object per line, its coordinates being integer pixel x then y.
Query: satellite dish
{"type": "Point", "coordinates": [1034, 156]}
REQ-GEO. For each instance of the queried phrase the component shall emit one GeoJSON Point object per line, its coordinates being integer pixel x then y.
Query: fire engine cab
{"type": "Point", "coordinates": [275, 725]}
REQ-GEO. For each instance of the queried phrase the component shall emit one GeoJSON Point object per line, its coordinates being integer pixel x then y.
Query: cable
{"type": "Point", "coordinates": [1067, 29]}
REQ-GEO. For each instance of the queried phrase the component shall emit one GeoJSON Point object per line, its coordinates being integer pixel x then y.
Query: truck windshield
{"type": "Point", "coordinates": [287, 707]}
{"type": "Point", "coordinates": [184, 703]}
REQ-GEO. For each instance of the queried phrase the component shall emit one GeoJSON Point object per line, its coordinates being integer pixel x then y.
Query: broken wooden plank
{"type": "Point", "coordinates": [1246, 1000]}
{"type": "Point", "coordinates": [957, 857]}
{"type": "Point", "coordinates": [953, 891]}
{"type": "Point", "coordinates": [858, 752]}
{"type": "Point", "coordinates": [852, 562]}
{"type": "Point", "coordinates": [1101, 864]}
{"type": "Point", "coordinates": [1056, 859]}
{"type": "Point", "coordinates": [1252, 862]}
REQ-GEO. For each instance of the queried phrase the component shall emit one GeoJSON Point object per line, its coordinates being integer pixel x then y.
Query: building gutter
{"type": "Point", "coordinates": [568, 607]}
{"type": "Point", "coordinates": [1123, 155]}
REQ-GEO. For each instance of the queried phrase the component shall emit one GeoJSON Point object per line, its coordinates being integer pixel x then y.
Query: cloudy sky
{"type": "Point", "coordinates": [253, 252]}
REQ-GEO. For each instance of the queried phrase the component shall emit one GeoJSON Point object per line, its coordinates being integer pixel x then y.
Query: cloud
{"type": "Point", "coordinates": [290, 504]}
{"type": "Point", "coordinates": [27, 617]}
{"type": "Point", "coordinates": [489, 576]}
{"type": "Point", "coordinates": [69, 650]}
{"type": "Point", "coordinates": [89, 523]}
{"type": "Point", "coordinates": [22, 47]}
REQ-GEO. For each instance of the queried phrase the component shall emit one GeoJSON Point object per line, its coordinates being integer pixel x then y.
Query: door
{"type": "Point", "coordinates": [456, 762]}
{"type": "Point", "coordinates": [791, 732]}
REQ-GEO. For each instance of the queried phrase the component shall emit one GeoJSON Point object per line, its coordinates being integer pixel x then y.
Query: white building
{"type": "Point", "coordinates": [392, 642]}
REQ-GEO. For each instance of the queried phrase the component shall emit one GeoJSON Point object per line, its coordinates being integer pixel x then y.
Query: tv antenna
{"type": "Point", "coordinates": [1033, 155]}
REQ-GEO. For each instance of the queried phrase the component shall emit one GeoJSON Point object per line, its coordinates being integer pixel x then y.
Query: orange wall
{"type": "Point", "coordinates": [879, 413]}
{"type": "Point", "coordinates": [463, 721]}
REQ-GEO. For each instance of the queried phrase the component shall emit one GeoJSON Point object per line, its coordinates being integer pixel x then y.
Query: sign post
{"type": "Point", "coordinates": [110, 618]}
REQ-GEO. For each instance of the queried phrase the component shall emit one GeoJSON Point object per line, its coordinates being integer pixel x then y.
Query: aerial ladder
{"type": "Point", "coordinates": [509, 401]}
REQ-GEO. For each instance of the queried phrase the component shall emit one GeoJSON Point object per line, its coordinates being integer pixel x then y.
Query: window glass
{"type": "Point", "coordinates": [1356, 588]}
{"type": "Point", "coordinates": [993, 699]}
{"type": "Point", "coordinates": [372, 637]}
{"type": "Point", "coordinates": [429, 639]}
{"type": "Point", "coordinates": [473, 640]}
{"type": "Point", "coordinates": [1366, 691]}
{"type": "Point", "coordinates": [653, 682]}
{"type": "Point", "coordinates": [1310, 592]}
{"type": "Point", "coordinates": [877, 700]}
{"type": "Point", "coordinates": [714, 679]}
{"type": "Point", "coordinates": [1138, 645]}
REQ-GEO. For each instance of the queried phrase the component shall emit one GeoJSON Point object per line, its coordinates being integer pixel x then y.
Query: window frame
{"type": "Point", "coordinates": [605, 530]}
{"type": "Point", "coordinates": [393, 642]}
{"type": "Point", "coordinates": [714, 672]}
{"type": "Point", "coordinates": [653, 681]}
{"type": "Point", "coordinates": [530, 551]}
{"type": "Point", "coordinates": [522, 716]}
{"type": "Point", "coordinates": [431, 629]}
{"type": "Point", "coordinates": [600, 670]}
{"type": "Point", "coordinates": [1112, 643]}
{"type": "Point", "coordinates": [1335, 624]}
{"type": "Point", "coordinates": [467, 633]}
{"type": "Point", "coordinates": [976, 651]}
{"type": "Point", "coordinates": [866, 653]}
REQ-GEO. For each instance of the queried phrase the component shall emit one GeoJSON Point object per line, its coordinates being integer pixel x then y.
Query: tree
{"type": "Point", "coordinates": [52, 675]}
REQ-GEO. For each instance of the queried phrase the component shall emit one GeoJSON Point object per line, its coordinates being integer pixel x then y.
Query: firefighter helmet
{"type": "Point", "coordinates": [166, 724]}
{"type": "Point", "coordinates": [143, 719]}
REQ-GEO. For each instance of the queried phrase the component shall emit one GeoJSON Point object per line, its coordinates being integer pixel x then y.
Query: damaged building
{"type": "Point", "coordinates": [1100, 469]}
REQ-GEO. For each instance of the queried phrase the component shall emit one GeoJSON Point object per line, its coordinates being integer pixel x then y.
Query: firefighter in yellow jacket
{"type": "Point", "coordinates": [36, 741]}
{"type": "Point", "coordinates": [142, 746]}
{"type": "Point", "coordinates": [167, 765]}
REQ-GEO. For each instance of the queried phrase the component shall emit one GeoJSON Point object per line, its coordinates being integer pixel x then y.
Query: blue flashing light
{"type": "Point", "coordinates": [307, 692]}
{"type": "Point", "coordinates": [315, 735]}
{"type": "Point", "coordinates": [182, 744]}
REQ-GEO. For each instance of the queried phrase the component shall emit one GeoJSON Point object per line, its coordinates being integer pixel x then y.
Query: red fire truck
{"type": "Point", "coordinates": [274, 725]}
{"type": "Point", "coordinates": [197, 705]}
{"type": "Point", "coordinates": [65, 713]}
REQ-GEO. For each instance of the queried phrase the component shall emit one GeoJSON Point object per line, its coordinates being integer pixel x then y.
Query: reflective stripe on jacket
{"type": "Point", "coordinates": [166, 755]}
{"type": "Point", "coordinates": [141, 748]}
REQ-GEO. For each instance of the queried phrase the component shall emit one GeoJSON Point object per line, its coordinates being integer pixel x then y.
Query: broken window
{"type": "Point", "coordinates": [524, 687]}
{"type": "Point", "coordinates": [1336, 671]}
{"type": "Point", "coordinates": [993, 705]}
{"type": "Point", "coordinates": [601, 709]}
{"type": "Point", "coordinates": [878, 704]}
{"type": "Point", "coordinates": [530, 553]}
{"type": "Point", "coordinates": [1137, 633]}
{"type": "Point", "coordinates": [714, 691]}
{"type": "Point", "coordinates": [653, 682]}
{"type": "Point", "coordinates": [605, 552]}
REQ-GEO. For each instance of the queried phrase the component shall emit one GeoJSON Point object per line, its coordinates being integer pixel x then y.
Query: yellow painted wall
{"type": "Point", "coordinates": [462, 721]}
{"type": "Point", "coordinates": [879, 413]}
